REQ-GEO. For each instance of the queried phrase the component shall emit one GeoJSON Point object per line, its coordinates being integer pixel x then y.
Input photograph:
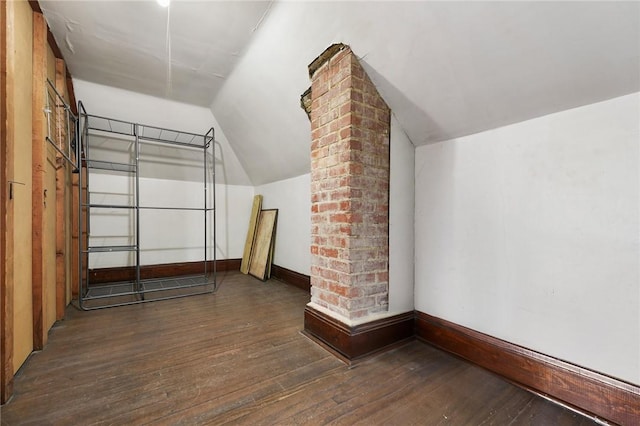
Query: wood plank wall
{"type": "Point", "coordinates": [36, 243]}
{"type": "Point", "coordinates": [6, 170]}
{"type": "Point", "coordinates": [19, 242]}
{"type": "Point", "coordinates": [38, 170]}
{"type": "Point", "coordinates": [61, 219]}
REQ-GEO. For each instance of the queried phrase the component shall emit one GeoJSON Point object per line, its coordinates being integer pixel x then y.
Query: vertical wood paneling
{"type": "Point", "coordinates": [49, 260]}
{"type": "Point", "coordinates": [19, 210]}
{"type": "Point", "coordinates": [6, 215]}
{"type": "Point", "coordinates": [82, 234]}
{"type": "Point", "coordinates": [23, 38]}
{"type": "Point", "coordinates": [50, 205]}
{"type": "Point", "coordinates": [75, 246]}
{"type": "Point", "coordinates": [38, 174]}
{"type": "Point", "coordinates": [61, 213]}
{"type": "Point", "coordinates": [68, 194]}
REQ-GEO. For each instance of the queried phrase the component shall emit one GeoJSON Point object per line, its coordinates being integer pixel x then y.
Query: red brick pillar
{"type": "Point", "coordinates": [350, 125]}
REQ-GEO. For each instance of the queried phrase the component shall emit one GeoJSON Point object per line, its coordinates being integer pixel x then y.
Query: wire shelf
{"type": "Point", "coordinates": [108, 135]}
{"type": "Point", "coordinates": [112, 166]}
{"type": "Point", "coordinates": [109, 249]}
{"type": "Point", "coordinates": [148, 133]}
{"type": "Point", "coordinates": [128, 293]}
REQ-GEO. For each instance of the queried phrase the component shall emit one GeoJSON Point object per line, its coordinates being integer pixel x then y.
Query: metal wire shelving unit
{"type": "Point", "coordinates": [130, 285]}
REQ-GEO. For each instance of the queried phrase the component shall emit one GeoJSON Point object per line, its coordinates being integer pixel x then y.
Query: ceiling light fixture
{"type": "Point", "coordinates": [164, 3]}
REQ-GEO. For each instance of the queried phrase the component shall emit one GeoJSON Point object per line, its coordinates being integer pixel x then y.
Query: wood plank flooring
{"type": "Point", "coordinates": [237, 357]}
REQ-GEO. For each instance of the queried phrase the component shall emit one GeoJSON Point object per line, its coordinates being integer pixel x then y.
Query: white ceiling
{"type": "Point", "coordinates": [446, 69]}
{"type": "Point", "coordinates": [125, 43]}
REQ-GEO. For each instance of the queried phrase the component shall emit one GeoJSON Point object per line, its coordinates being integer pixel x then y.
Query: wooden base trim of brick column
{"type": "Point", "coordinates": [127, 273]}
{"type": "Point", "coordinates": [291, 277]}
{"type": "Point", "coordinates": [586, 390]}
{"type": "Point", "coordinates": [357, 342]}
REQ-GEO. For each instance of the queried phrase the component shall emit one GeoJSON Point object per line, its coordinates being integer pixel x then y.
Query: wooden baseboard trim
{"type": "Point", "coordinates": [603, 396]}
{"type": "Point", "coordinates": [228, 265]}
{"type": "Point", "coordinates": [126, 273]}
{"type": "Point", "coordinates": [291, 277]}
{"type": "Point", "coordinates": [353, 343]}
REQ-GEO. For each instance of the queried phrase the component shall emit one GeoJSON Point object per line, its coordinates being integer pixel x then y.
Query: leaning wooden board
{"type": "Point", "coordinates": [271, 253]}
{"type": "Point", "coordinates": [251, 234]}
{"type": "Point", "coordinates": [260, 255]}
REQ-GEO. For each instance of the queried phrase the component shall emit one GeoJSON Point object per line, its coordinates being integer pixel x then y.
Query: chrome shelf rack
{"type": "Point", "coordinates": [131, 285]}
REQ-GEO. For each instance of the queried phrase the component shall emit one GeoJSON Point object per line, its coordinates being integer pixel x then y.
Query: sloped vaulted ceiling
{"type": "Point", "coordinates": [130, 44]}
{"type": "Point", "coordinates": [446, 69]}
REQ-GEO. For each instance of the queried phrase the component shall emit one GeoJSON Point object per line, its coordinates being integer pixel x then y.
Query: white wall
{"type": "Point", "coordinates": [233, 208]}
{"type": "Point", "coordinates": [166, 236]}
{"type": "Point", "coordinates": [292, 198]}
{"type": "Point", "coordinates": [530, 233]}
{"type": "Point", "coordinates": [401, 232]}
{"type": "Point", "coordinates": [170, 177]}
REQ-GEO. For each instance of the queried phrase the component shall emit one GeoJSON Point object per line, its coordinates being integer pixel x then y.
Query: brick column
{"type": "Point", "coordinates": [350, 125]}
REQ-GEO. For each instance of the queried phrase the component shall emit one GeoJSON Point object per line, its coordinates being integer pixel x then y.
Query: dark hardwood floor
{"type": "Point", "coordinates": [237, 357]}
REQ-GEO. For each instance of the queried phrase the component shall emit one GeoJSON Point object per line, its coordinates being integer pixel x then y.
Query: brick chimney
{"type": "Point", "coordinates": [350, 127]}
